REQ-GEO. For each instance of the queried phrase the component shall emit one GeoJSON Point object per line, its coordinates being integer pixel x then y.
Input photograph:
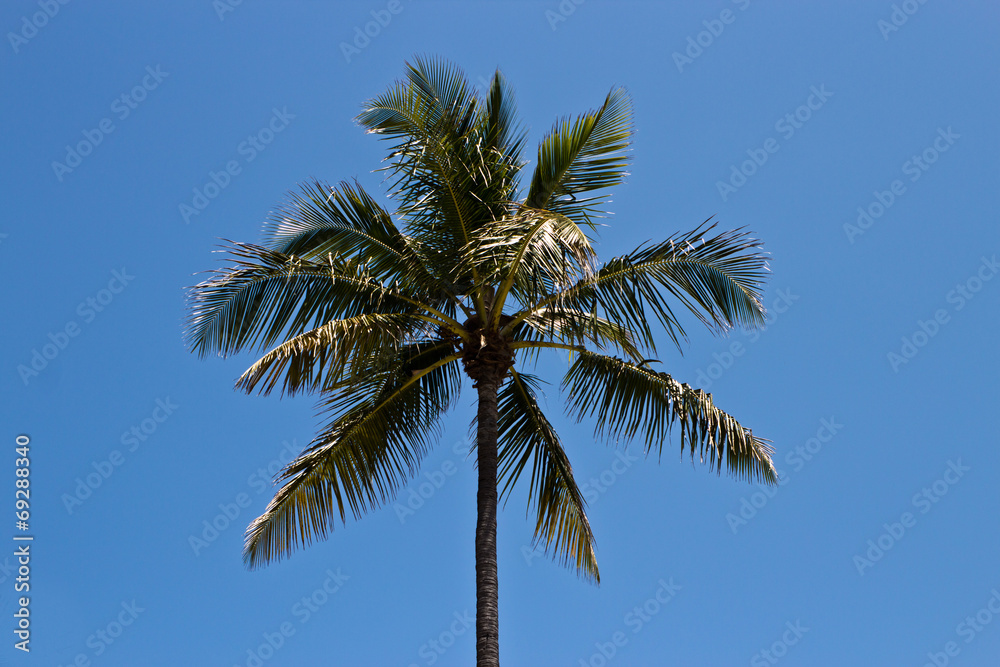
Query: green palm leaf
{"type": "Point", "coordinates": [503, 140]}
{"type": "Point", "coordinates": [362, 458]}
{"type": "Point", "coordinates": [582, 156]}
{"type": "Point", "coordinates": [631, 399]}
{"type": "Point", "coordinates": [327, 355]}
{"type": "Point", "coordinates": [532, 253]}
{"type": "Point", "coordinates": [717, 278]}
{"type": "Point", "coordinates": [561, 520]}
{"type": "Point", "coordinates": [431, 118]}
{"type": "Point", "coordinates": [575, 329]}
{"type": "Point", "coordinates": [346, 222]}
{"type": "Point", "coordinates": [266, 295]}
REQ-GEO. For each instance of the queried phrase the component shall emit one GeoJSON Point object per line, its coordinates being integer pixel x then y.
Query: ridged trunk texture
{"type": "Point", "coordinates": [487, 589]}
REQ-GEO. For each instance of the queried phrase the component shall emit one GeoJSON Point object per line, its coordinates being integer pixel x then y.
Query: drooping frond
{"type": "Point", "coordinates": [361, 459]}
{"type": "Point", "coordinates": [581, 156]}
{"type": "Point", "coordinates": [630, 400]}
{"type": "Point", "coordinates": [526, 435]}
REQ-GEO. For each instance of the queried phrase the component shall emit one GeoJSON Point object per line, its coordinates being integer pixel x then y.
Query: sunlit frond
{"type": "Point", "coordinates": [577, 328]}
{"type": "Point", "coordinates": [323, 356]}
{"type": "Point", "coordinates": [531, 255]}
{"type": "Point", "coordinates": [431, 119]}
{"type": "Point", "coordinates": [719, 279]}
{"type": "Point", "coordinates": [581, 156]}
{"type": "Point", "coordinates": [346, 222]}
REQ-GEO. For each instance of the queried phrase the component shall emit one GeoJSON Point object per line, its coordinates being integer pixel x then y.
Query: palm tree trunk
{"type": "Point", "coordinates": [487, 590]}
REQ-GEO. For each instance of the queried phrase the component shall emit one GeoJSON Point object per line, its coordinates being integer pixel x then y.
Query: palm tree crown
{"type": "Point", "coordinates": [379, 313]}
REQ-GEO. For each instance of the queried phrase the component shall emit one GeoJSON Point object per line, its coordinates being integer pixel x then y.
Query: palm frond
{"type": "Point", "coordinates": [719, 279]}
{"type": "Point", "coordinates": [502, 140]}
{"type": "Point", "coordinates": [323, 356]}
{"type": "Point", "coordinates": [429, 117]}
{"type": "Point", "coordinates": [531, 254]}
{"type": "Point", "coordinates": [359, 462]}
{"type": "Point", "coordinates": [581, 156]}
{"type": "Point", "coordinates": [631, 399]}
{"type": "Point", "coordinates": [561, 519]}
{"type": "Point", "coordinates": [577, 328]}
{"type": "Point", "coordinates": [266, 296]}
{"type": "Point", "coordinates": [344, 221]}
{"type": "Point", "coordinates": [347, 222]}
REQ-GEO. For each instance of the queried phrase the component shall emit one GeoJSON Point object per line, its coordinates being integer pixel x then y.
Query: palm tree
{"type": "Point", "coordinates": [378, 313]}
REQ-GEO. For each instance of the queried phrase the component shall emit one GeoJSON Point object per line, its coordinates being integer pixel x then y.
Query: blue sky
{"type": "Point", "coordinates": [857, 140]}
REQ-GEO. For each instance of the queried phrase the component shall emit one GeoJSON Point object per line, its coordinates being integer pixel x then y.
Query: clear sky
{"type": "Point", "coordinates": [858, 140]}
